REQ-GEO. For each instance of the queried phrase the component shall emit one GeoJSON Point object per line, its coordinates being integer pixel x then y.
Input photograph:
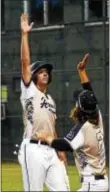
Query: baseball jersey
{"type": "Point", "coordinates": [87, 141]}
{"type": "Point", "coordinates": [39, 111]}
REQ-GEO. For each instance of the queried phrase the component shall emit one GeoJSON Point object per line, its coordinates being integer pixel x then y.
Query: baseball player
{"type": "Point", "coordinates": [39, 162]}
{"type": "Point", "coordinates": [86, 138]}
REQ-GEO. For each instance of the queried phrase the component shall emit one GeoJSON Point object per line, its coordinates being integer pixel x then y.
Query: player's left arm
{"type": "Point", "coordinates": [72, 141]}
{"type": "Point", "coordinates": [83, 74]}
{"type": "Point", "coordinates": [61, 154]}
{"type": "Point", "coordinates": [85, 79]}
{"type": "Point", "coordinates": [81, 67]}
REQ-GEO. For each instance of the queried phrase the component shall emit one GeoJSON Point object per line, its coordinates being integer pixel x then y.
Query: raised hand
{"type": "Point", "coordinates": [25, 27]}
{"type": "Point", "coordinates": [81, 65]}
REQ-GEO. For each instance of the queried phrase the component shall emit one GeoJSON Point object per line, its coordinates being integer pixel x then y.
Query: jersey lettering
{"type": "Point", "coordinates": [73, 132]}
{"type": "Point", "coordinates": [45, 104]}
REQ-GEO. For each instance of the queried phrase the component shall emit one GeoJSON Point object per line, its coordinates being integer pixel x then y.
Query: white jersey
{"type": "Point", "coordinates": [39, 111]}
{"type": "Point", "coordinates": [87, 141]}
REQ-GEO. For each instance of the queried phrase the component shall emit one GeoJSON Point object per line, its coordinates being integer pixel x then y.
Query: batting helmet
{"type": "Point", "coordinates": [36, 66]}
{"type": "Point", "coordinates": [87, 102]}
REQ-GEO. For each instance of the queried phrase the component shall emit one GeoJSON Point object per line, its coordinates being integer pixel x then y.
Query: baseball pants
{"type": "Point", "coordinates": [90, 184]}
{"type": "Point", "coordinates": [41, 165]}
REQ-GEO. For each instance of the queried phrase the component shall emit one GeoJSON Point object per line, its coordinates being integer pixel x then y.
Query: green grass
{"type": "Point", "coordinates": [11, 179]}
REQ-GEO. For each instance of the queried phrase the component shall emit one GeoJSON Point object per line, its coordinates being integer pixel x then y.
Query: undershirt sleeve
{"type": "Point", "coordinates": [61, 145]}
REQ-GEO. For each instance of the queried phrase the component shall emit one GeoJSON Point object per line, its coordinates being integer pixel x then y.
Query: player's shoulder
{"type": "Point", "coordinates": [74, 131]}
{"type": "Point", "coordinates": [28, 91]}
{"type": "Point", "coordinates": [50, 97]}
{"type": "Point", "coordinates": [86, 125]}
{"type": "Point", "coordinates": [27, 86]}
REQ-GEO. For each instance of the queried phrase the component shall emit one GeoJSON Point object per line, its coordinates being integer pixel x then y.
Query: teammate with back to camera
{"type": "Point", "coordinates": [86, 138]}
{"type": "Point", "coordinates": [39, 162]}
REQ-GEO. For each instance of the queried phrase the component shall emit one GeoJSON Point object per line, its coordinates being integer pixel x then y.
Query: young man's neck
{"type": "Point", "coordinates": [42, 88]}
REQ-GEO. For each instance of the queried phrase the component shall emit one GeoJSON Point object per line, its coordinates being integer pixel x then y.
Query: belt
{"type": "Point", "coordinates": [38, 141]}
{"type": "Point", "coordinates": [96, 177]}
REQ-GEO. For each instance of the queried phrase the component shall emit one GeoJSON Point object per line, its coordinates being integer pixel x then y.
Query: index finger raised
{"type": "Point", "coordinates": [85, 58]}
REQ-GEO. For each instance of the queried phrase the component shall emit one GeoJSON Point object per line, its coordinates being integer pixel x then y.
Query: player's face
{"type": "Point", "coordinates": [42, 77]}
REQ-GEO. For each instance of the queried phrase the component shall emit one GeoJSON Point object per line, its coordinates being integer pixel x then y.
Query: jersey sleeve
{"type": "Point", "coordinates": [61, 145]}
{"type": "Point", "coordinates": [27, 91]}
{"type": "Point", "coordinates": [75, 137]}
{"type": "Point", "coordinates": [87, 86]}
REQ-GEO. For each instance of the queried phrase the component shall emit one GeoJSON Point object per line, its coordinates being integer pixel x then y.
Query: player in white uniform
{"type": "Point", "coordinates": [39, 162]}
{"type": "Point", "coordinates": [86, 138]}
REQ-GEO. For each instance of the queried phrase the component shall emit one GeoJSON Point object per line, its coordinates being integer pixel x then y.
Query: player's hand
{"type": "Point", "coordinates": [25, 27]}
{"type": "Point", "coordinates": [45, 137]}
{"type": "Point", "coordinates": [62, 157]}
{"type": "Point", "coordinates": [82, 64]}
{"type": "Point", "coordinates": [49, 139]}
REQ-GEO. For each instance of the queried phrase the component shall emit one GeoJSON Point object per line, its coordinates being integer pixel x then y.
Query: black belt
{"type": "Point", "coordinates": [37, 141]}
{"type": "Point", "coordinates": [96, 177]}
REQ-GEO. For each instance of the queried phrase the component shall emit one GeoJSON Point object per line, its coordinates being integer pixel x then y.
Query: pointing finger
{"type": "Point", "coordinates": [31, 25]}
{"type": "Point", "coordinates": [85, 58]}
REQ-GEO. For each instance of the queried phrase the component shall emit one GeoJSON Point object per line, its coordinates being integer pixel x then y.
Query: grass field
{"type": "Point", "coordinates": [12, 180]}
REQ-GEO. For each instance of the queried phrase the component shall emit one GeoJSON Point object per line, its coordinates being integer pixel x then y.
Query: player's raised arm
{"type": "Point", "coordinates": [83, 74]}
{"type": "Point", "coordinates": [82, 69]}
{"type": "Point", "coordinates": [25, 52]}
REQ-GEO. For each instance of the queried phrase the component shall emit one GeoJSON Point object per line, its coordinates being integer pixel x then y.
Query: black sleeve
{"type": "Point", "coordinates": [87, 86]}
{"type": "Point", "coordinates": [61, 145]}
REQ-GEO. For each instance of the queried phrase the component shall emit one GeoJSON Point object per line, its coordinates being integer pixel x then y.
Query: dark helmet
{"type": "Point", "coordinates": [87, 102]}
{"type": "Point", "coordinates": [36, 66]}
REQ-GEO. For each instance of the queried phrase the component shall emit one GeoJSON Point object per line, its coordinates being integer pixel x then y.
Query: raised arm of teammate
{"type": "Point", "coordinates": [82, 73]}
{"type": "Point", "coordinates": [25, 52]}
{"type": "Point", "coordinates": [81, 69]}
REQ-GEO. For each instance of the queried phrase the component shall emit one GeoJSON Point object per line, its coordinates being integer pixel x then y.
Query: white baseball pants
{"type": "Point", "coordinates": [90, 184]}
{"type": "Point", "coordinates": [41, 165]}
